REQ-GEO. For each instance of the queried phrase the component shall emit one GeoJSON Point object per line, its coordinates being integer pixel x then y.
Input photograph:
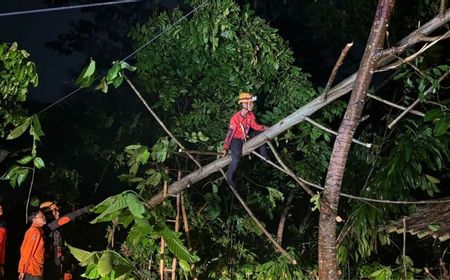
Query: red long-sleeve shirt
{"type": "Point", "coordinates": [240, 126]}
{"type": "Point", "coordinates": [3, 233]}
{"type": "Point", "coordinates": [32, 252]}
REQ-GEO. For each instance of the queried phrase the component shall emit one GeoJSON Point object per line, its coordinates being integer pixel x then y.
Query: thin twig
{"type": "Point", "coordinates": [29, 193]}
{"type": "Point", "coordinates": [427, 271]}
{"type": "Point", "coordinates": [395, 105]}
{"type": "Point", "coordinates": [368, 145]}
{"type": "Point", "coordinates": [442, 7]}
{"type": "Point", "coordinates": [365, 199]}
{"type": "Point", "coordinates": [295, 177]}
{"type": "Point", "coordinates": [416, 102]}
{"type": "Point", "coordinates": [335, 69]}
{"type": "Point", "coordinates": [425, 47]}
{"type": "Point", "coordinates": [159, 120]}
{"type": "Point", "coordinates": [258, 223]}
{"type": "Point", "coordinates": [195, 152]}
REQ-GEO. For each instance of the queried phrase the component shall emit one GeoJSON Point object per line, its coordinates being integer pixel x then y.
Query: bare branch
{"type": "Point", "coordinates": [415, 102]}
{"type": "Point", "coordinates": [395, 105]}
{"type": "Point", "coordinates": [283, 216]}
{"type": "Point", "coordinates": [442, 7]}
{"type": "Point", "coordinates": [159, 120]}
{"type": "Point", "coordinates": [434, 40]}
{"type": "Point", "coordinates": [368, 145]}
{"type": "Point", "coordinates": [258, 223]}
{"type": "Point", "coordinates": [336, 68]}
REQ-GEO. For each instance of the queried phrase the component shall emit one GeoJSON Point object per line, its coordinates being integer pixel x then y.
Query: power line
{"type": "Point", "coordinates": [67, 8]}
{"type": "Point", "coordinates": [130, 55]}
{"type": "Point", "coordinates": [165, 30]}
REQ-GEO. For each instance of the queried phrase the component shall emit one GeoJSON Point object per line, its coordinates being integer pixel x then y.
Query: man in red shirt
{"type": "Point", "coordinates": [31, 264]}
{"type": "Point", "coordinates": [3, 233]}
{"type": "Point", "coordinates": [241, 125]}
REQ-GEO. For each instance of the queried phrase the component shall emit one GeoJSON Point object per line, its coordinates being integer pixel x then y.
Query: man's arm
{"type": "Point", "coordinates": [230, 133]}
{"type": "Point", "coordinates": [68, 218]}
{"type": "Point", "coordinates": [254, 125]}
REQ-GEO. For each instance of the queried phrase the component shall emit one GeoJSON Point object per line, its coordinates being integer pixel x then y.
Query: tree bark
{"type": "Point", "coordinates": [327, 223]}
{"type": "Point", "coordinates": [298, 116]}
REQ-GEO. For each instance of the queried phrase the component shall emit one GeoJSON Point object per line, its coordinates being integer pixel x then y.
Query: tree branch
{"type": "Point", "coordinates": [395, 105]}
{"type": "Point", "coordinates": [336, 68]}
{"type": "Point", "coordinates": [368, 145]}
{"type": "Point", "coordinates": [258, 223]}
{"type": "Point", "coordinates": [416, 102]}
{"type": "Point", "coordinates": [283, 215]}
{"type": "Point", "coordinates": [159, 120]}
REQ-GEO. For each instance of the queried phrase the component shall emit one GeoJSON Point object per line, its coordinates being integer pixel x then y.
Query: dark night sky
{"type": "Point", "coordinates": [32, 31]}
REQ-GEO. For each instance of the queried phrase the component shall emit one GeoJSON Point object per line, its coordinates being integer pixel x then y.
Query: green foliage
{"type": "Point", "coordinates": [18, 173]}
{"type": "Point", "coordinates": [17, 75]}
{"type": "Point", "coordinates": [145, 229]}
{"type": "Point", "coordinates": [104, 265]}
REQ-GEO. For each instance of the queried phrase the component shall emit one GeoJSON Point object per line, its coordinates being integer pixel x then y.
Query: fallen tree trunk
{"type": "Point", "coordinates": [298, 116]}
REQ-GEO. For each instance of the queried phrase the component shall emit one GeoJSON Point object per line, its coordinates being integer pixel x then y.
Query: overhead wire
{"type": "Point", "coordinates": [55, 9]}
{"type": "Point", "coordinates": [130, 55]}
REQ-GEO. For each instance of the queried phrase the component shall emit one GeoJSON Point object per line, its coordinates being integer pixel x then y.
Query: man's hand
{"type": "Point", "coordinates": [266, 127]}
{"type": "Point", "coordinates": [2, 271]}
{"type": "Point", "coordinates": [224, 153]}
{"type": "Point", "coordinates": [21, 275]}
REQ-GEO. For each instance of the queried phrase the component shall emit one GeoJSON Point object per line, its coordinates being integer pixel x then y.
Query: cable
{"type": "Point", "coordinates": [132, 54]}
{"type": "Point", "coordinates": [67, 8]}
{"type": "Point", "coordinates": [165, 30]}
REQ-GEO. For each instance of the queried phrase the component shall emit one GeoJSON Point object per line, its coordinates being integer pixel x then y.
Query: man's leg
{"type": "Point", "coordinates": [236, 153]}
{"type": "Point", "coordinates": [262, 150]}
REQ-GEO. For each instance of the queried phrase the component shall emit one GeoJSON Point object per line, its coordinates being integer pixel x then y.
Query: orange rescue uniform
{"type": "Point", "coordinates": [32, 252]}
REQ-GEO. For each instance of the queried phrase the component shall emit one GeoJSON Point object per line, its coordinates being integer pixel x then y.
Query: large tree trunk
{"type": "Point", "coordinates": [327, 223]}
{"type": "Point", "coordinates": [298, 116]}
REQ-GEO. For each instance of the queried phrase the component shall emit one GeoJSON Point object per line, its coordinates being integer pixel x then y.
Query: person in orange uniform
{"type": "Point", "coordinates": [242, 124]}
{"type": "Point", "coordinates": [3, 233]}
{"type": "Point", "coordinates": [54, 246]}
{"type": "Point", "coordinates": [31, 264]}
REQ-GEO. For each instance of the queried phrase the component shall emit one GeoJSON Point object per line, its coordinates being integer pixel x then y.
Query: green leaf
{"type": "Point", "coordinates": [124, 65]}
{"type": "Point", "coordinates": [104, 265]}
{"type": "Point", "coordinates": [19, 130]}
{"type": "Point", "coordinates": [25, 160]}
{"type": "Point", "coordinates": [38, 162]}
{"type": "Point", "coordinates": [113, 72]}
{"type": "Point", "coordinates": [441, 127]}
{"type": "Point", "coordinates": [184, 265]}
{"type": "Point", "coordinates": [86, 77]}
{"type": "Point", "coordinates": [83, 257]}
{"type": "Point", "coordinates": [110, 208]}
{"type": "Point", "coordinates": [36, 130]}
{"type": "Point", "coordinates": [433, 114]}
{"type": "Point", "coordinates": [136, 206]}
{"type": "Point", "coordinates": [434, 227]}
{"type": "Point", "coordinates": [21, 176]}
{"type": "Point", "coordinates": [432, 179]}
{"type": "Point", "coordinates": [176, 246]}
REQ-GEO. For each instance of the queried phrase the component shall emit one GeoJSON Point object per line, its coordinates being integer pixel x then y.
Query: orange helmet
{"type": "Point", "coordinates": [51, 205]}
{"type": "Point", "coordinates": [245, 97]}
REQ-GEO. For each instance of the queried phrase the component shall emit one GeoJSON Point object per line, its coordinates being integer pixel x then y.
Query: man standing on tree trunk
{"type": "Point", "coordinates": [238, 132]}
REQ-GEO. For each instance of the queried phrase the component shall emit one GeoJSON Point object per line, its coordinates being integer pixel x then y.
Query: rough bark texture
{"type": "Point", "coordinates": [298, 116]}
{"type": "Point", "coordinates": [327, 223]}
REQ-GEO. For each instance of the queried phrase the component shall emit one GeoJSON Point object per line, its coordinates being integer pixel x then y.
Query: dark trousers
{"type": "Point", "coordinates": [31, 277]}
{"type": "Point", "coordinates": [236, 153]}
